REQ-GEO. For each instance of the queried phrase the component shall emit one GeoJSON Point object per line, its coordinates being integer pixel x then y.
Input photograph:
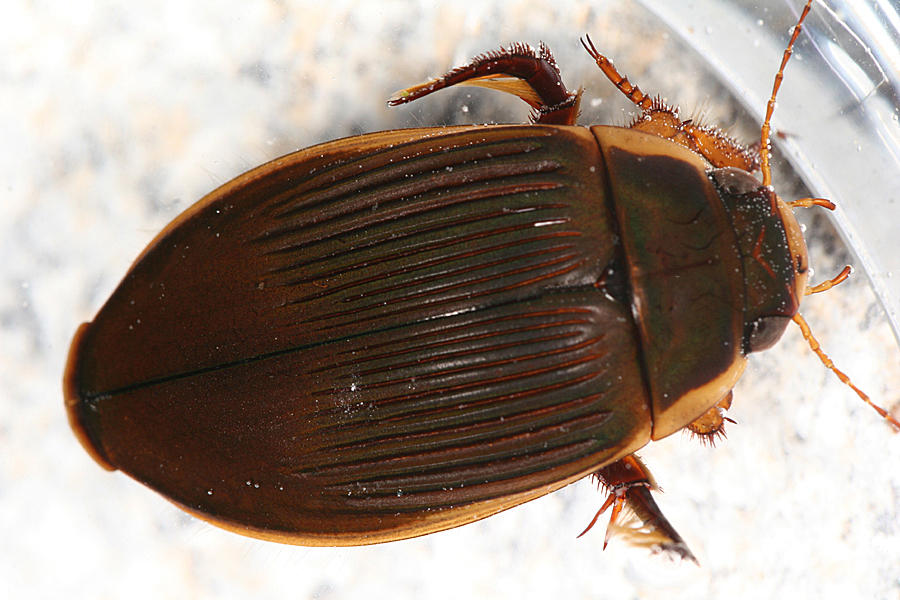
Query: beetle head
{"type": "Point", "coordinates": [773, 255]}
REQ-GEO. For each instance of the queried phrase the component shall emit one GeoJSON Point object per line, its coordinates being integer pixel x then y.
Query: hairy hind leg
{"type": "Point", "coordinates": [635, 514]}
{"type": "Point", "coordinates": [520, 70]}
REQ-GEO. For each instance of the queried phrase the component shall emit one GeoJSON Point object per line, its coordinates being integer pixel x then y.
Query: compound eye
{"type": "Point", "coordinates": [764, 332]}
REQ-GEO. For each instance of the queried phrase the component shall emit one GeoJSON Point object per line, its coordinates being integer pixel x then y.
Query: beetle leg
{"type": "Point", "coordinates": [518, 70]}
{"type": "Point", "coordinates": [710, 426]}
{"type": "Point", "coordinates": [635, 513]}
{"type": "Point", "coordinates": [658, 118]}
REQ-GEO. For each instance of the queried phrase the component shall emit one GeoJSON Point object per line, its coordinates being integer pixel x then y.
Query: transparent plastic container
{"type": "Point", "coordinates": [842, 100]}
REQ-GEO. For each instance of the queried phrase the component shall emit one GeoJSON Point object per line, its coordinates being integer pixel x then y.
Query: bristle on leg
{"type": "Point", "coordinates": [635, 515]}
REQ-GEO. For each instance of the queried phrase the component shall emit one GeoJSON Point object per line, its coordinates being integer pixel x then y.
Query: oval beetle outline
{"type": "Point", "coordinates": [626, 490]}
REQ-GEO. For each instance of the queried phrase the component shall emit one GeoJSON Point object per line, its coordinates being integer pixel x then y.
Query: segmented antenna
{"type": "Point", "coordinates": [805, 203]}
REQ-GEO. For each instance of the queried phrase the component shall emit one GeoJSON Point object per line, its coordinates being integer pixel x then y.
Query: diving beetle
{"type": "Point", "coordinates": [398, 333]}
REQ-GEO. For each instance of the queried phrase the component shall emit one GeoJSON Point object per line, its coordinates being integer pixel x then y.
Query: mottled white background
{"type": "Point", "coordinates": [116, 116]}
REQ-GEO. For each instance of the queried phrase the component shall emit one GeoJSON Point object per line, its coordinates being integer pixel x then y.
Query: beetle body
{"type": "Point", "coordinates": [401, 332]}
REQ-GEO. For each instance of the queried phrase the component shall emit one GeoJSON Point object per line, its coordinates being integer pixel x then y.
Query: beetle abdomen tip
{"type": "Point", "coordinates": [75, 402]}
